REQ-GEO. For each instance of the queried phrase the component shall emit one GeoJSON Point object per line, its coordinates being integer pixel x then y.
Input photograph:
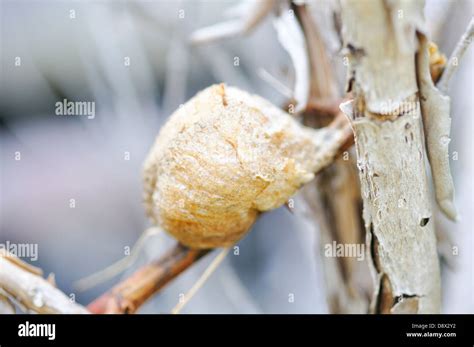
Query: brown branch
{"type": "Point", "coordinates": [130, 294]}
{"type": "Point", "coordinates": [323, 83]}
{"type": "Point", "coordinates": [334, 197]}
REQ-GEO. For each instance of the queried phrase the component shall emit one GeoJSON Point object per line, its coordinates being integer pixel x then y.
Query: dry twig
{"type": "Point", "coordinates": [129, 295]}
{"type": "Point", "coordinates": [23, 283]}
{"type": "Point", "coordinates": [456, 56]}
{"type": "Point", "coordinates": [200, 282]}
{"type": "Point", "coordinates": [251, 14]}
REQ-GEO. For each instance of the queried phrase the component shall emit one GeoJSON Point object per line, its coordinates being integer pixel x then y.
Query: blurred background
{"type": "Point", "coordinates": [134, 61]}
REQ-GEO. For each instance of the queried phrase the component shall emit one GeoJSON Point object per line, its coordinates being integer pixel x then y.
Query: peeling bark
{"type": "Point", "coordinates": [435, 108]}
{"type": "Point", "coordinates": [24, 283]}
{"type": "Point", "coordinates": [380, 37]}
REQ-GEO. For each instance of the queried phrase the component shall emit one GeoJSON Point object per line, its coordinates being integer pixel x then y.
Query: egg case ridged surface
{"type": "Point", "coordinates": [220, 160]}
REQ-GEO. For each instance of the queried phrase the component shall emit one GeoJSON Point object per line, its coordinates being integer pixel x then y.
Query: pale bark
{"type": "Point", "coordinates": [23, 283]}
{"type": "Point", "coordinates": [435, 108]}
{"type": "Point", "coordinates": [381, 41]}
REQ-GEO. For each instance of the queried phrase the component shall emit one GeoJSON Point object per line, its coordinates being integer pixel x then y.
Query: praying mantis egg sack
{"type": "Point", "coordinates": [220, 160]}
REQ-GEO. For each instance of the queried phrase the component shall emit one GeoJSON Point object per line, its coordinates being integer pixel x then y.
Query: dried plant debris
{"type": "Point", "coordinates": [289, 33]}
{"type": "Point", "coordinates": [23, 283]}
{"type": "Point", "coordinates": [437, 61]}
{"type": "Point", "coordinates": [248, 15]}
{"type": "Point", "coordinates": [435, 109]}
{"type": "Point", "coordinates": [292, 39]}
{"type": "Point", "coordinates": [456, 56]}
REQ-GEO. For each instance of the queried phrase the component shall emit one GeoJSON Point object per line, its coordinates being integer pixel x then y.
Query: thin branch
{"type": "Point", "coordinates": [323, 83]}
{"type": "Point", "coordinates": [322, 108]}
{"type": "Point", "coordinates": [456, 56]}
{"type": "Point", "coordinates": [275, 83]}
{"type": "Point", "coordinates": [117, 267]}
{"type": "Point", "coordinates": [200, 282]}
{"type": "Point", "coordinates": [252, 15]}
{"type": "Point", "coordinates": [24, 284]}
{"type": "Point", "coordinates": [129, 295]}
